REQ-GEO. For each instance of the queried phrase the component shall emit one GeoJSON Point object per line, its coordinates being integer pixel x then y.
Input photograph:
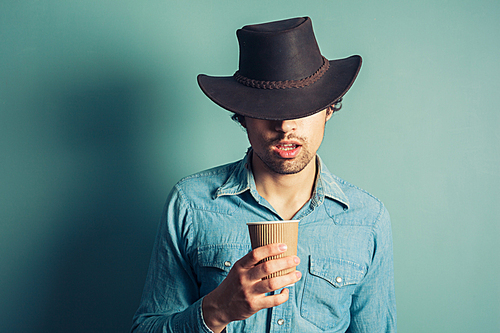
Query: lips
{"type": "Point", "coordinates": [287, 149]}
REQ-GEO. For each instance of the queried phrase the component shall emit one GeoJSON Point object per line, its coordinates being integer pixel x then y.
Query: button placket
{"type": "Point", "coordinates": [281, 314]}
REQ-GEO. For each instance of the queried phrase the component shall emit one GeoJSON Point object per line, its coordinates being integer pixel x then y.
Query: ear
{"type": "Point", "coordinates": [329, 113]}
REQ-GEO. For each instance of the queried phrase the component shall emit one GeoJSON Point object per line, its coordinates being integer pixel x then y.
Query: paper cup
{"type": "Point", "coordinates": [270, 232]}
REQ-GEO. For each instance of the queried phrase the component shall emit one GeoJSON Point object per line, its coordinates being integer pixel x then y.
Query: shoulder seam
{"type": "Point", "coordinates": [206, 173]}
{"type": "Point", "coordinates": [340, 180]}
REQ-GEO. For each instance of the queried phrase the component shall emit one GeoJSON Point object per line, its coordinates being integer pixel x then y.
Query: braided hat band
{"type": "Point", "coordinates": [284, 84]}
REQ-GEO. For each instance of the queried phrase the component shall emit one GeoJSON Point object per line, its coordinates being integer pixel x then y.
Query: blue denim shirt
{"type": "Point", "coordinates": [345, 247]}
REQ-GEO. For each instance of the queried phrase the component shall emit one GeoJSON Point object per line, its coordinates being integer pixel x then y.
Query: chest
{"type": "Point", "coordinates": [326, 250]}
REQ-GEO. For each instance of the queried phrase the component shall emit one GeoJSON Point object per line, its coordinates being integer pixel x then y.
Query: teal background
{"type": "Point", "coordinates": [100, 114]}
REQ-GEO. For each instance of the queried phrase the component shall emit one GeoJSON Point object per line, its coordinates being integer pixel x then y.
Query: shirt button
{"type": "Point", "coordinates": [338, 279]}
{"type": "Point", "coordinates": [281, 321]}
{"type": "Point", "coordinates": [227, 263]}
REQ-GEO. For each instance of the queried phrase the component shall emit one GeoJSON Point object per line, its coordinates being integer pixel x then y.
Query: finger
{"type": "Point", "coordinates": [277, 283]}
{"type": "Point", "coordinates": [253, 257]}
{"type": "Point", "coordinates": [272, 266]}
{"type": "Point", "coordinates": [275, 300]}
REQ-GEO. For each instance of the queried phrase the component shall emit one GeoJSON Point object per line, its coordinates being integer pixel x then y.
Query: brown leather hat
{"type": "Point", "coordinates": [282, 74]}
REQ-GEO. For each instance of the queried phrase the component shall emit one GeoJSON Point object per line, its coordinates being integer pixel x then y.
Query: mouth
{"type": "Point", "coordinates": [287, 146]}
{"type": "Point", "coordinates": [287, 150]}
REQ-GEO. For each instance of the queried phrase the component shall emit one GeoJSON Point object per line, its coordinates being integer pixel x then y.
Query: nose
{"type": "Point", "coordinates": [285, 126]}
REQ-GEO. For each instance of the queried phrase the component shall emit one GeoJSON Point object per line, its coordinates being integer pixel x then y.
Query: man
{"type": "Point", "coordinates": [203, 276]}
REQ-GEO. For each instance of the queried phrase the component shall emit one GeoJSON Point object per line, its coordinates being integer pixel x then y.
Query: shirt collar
{"type": "Point", "coordinates": [328, 186]}
{"type": "Point", "coordinates": [241, 179]}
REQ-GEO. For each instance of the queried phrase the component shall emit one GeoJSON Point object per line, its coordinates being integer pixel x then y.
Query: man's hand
{"type": "Point", "coordinates": [242, 293]}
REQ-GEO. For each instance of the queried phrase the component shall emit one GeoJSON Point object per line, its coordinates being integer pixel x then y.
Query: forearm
{"type": "Point", "coordinates": [190, 320]}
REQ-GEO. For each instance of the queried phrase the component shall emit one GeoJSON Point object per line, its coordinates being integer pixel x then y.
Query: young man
{"type": "Point", "coordinates": [203, 276]}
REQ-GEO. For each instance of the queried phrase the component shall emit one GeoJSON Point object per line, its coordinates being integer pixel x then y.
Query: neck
{"type": "Point", "coordinates": [286, 193]}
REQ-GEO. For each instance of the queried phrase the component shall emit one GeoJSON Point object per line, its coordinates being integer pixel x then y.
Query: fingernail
{"type": "Point", "coordinates": [298, 274]}
{"type": "Point", "coordinates": [296, 260]}
{"type": "Point", "coordinates": [282, 247]}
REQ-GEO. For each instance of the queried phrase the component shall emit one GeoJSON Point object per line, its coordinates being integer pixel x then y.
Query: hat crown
{"type": "Point", "coordinates": [279, 51]}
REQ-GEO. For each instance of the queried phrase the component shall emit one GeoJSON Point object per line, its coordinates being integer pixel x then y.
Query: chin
{"type": "Point", "coordinates": [287, 167]}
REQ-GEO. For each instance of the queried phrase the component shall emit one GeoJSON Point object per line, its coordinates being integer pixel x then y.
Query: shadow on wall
{"type": "Point", "coordinates": [107, 219]}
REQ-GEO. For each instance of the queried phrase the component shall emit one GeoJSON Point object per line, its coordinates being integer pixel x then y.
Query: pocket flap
{"type": "Point", "coordinates": [222, 256]}
{"type": "Point", "coordinates": [338, 272]}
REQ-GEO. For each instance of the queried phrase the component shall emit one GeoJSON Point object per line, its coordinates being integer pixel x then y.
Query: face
{"type": "Point", "coordinates": [286, 146]}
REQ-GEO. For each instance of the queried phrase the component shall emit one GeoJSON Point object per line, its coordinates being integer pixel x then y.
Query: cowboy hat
{"type": "Point", "coordinates": [282, 74]}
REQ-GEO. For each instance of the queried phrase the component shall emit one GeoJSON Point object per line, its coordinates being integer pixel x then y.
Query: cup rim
{"type": "Point", "coordinates": [273, 222]}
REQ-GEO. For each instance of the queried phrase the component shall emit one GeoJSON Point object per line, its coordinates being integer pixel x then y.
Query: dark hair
{"type": "Point", "coordinates": [239, 119]}
{"type": "Point", "coordinates": [336, 106]}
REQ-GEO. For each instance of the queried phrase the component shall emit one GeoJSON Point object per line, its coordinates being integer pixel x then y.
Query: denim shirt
{"type": "Point", "coordinates": [345, 247]}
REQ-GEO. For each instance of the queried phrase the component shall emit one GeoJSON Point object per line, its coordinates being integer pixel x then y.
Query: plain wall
{"type": "Point", "coordinates": [100, 114]}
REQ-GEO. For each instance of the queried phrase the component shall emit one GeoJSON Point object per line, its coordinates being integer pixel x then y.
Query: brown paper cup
{"type": "Point", "coordinates": [270, 232]}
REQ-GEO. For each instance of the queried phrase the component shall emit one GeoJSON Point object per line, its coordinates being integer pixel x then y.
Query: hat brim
{"type": "Point", "coordinates": [283, 104]}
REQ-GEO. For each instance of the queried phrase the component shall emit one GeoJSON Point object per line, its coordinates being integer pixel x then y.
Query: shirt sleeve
{"type": "Point", "coordinates": [170, 300]}
{"type": "Point", "coordinates": [373, 308]}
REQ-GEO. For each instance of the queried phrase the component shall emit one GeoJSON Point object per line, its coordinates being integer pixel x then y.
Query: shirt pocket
{"type": "Point", "coordinates": [328, 288]}
{"type": "Point", "coordinates": [215, 262]}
